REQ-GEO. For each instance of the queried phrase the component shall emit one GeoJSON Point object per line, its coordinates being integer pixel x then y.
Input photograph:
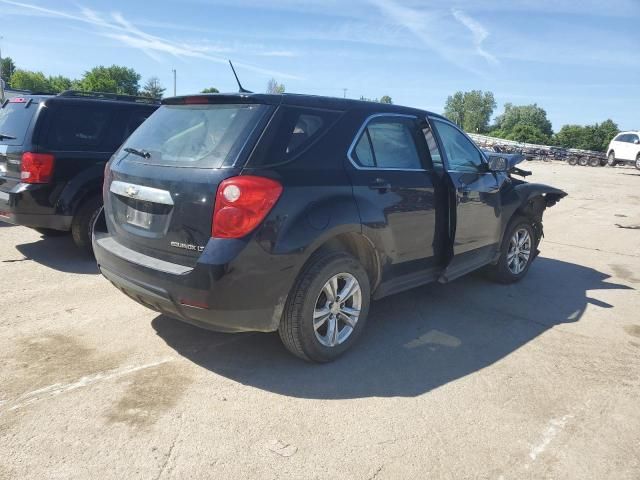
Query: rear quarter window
{"type": "Point", "coordinates": [77, 127]}
{"type": "Point", "coordinates": [292, 131]}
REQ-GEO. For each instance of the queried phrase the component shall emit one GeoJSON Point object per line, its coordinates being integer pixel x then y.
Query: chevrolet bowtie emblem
{"type": "Point", "coordinates": [131, 191]}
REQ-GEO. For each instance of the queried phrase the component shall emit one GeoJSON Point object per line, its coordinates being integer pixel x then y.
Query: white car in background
{"type": "Point", "coordinates": [624, 148]}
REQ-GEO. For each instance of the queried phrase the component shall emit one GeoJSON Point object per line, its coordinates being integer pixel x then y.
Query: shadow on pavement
{"type": "Point", "coordinates": [59, 253]}
{"type": "Point", "coordinates": [414, 342]}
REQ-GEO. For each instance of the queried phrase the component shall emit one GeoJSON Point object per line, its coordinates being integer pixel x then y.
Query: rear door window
{"type": "Point", "coordinates": [15, 118]}
{"type": "Point", "coordinates": [78, 127]}
{"type": "Point", "coordinates": [388, 143]}
{"type": "Point", "coordinates": [203, 136]}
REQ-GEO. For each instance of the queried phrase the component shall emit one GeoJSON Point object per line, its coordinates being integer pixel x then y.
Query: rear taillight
{"type": "Point", "coordinates": [37, 167]}
{"type": "Point", "coordinates": [242, 203]}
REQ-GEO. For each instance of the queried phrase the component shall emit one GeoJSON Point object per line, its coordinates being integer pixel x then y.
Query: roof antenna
{"type": "Point", "coordinates": [241, 88]}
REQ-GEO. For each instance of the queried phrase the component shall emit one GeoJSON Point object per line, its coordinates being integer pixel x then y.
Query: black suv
{"type": "Point", "coordinates": [53, 150]}
{"type": "Point", "coordinates": [290, 212]}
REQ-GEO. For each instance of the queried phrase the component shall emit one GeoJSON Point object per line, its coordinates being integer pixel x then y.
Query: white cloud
{"type": "Point", "coordinates": [116, 27]}
{"type": "Point", "coordinates": [478, 31]}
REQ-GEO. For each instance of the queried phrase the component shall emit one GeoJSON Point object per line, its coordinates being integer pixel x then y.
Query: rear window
{"type": "Point", "coordinates": [203, 136]}
{"type": "Point", "coordinates": [15, 119]}
{"type": "Point", "coordinates": [78, 127]}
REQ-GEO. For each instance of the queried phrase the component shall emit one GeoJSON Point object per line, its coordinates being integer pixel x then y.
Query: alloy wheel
{"type": "Point", "coordinates": [337, 310]}
{"type": "Point", "coordinates": [519, 251]}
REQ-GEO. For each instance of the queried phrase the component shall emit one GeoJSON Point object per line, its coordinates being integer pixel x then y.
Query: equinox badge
{"type": "Point", "coordinates": [186, 246]}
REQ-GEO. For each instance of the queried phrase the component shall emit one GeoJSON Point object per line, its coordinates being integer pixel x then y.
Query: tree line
{"type": "Point", "coordinates": [473, 110]}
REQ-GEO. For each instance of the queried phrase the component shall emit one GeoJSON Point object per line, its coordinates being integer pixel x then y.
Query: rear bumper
{"type": "Point", "coordinates": [23, 206]}
{"type": "Point", "coordinates": [237, 295]}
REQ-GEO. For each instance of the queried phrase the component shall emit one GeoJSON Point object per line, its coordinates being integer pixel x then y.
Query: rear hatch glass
{"type": "Point", "coordinates": [163, 181]}
{"type": "Point", "coordinates": [15, 118]}
{"type": "Point", "coordinates": [200, 136]}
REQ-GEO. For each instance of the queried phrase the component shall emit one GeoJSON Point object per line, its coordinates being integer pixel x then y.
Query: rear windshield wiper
{"type": "Point", "coordinates": [140, 153]}
{"type": "Point", "coordinates": [6, 137]}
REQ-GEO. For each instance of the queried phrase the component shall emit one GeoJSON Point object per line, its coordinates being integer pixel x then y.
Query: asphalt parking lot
{"type": "Point", "coordinates": [467, 380]}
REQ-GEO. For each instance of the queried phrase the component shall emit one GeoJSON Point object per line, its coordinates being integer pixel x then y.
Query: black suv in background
{"type": "Point", "coordinates": [290, 212]}
{"type": "Point", "coordinates": [53, 150]}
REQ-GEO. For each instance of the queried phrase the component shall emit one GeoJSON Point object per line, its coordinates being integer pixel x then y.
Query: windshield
{"type": "Point", "coordinates": [201, 136]}
{"type": "Point", "coordinates": [14, 121]}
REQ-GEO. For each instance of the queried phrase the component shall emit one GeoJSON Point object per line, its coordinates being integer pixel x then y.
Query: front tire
{"type": "Point", "coordinates": [638, 162]}
{"type": "Point", "coordinates": [82, 225]}
{"type": "Point", "coordinates": [611, 159]}
{"type": "Point", "coordinates": [327, 308]}
{"type": "Point", "coordinates": [517, 252]}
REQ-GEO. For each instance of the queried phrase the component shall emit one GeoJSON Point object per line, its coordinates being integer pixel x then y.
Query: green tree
{"type": "Point", "coordinates": [386, 99]}
{"type": "Point", "coordinates": [274, 87]}
{"type": "Point", "coordinates": [8, 67]}
{"type": "Point", "coordinates": [210, 90]}
{"type": "Point", "coordinates": [113, 79]}
{"type": "Point", "coordinates": [471, 110]}
{"type": "Point", "coordinates": [153, 88]}
{"type": "Point", "coordinates": [27, 80]}
{"type": "Point", "coordinates": [528, 134]}
{"type": "Point", "coordinates": [532, 115]}
{"type": "Point", "coordinates": [58, 84]}
{"type": "Point", "coordinates": [589, 137]}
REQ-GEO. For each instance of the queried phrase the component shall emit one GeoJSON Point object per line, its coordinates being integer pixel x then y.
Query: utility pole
{"type": "Point", "coordinates": [344, 90]}
{"type": "Point", "coordinates": [174, 82]}
{"type": "Point", "coordinates": [1, 81]}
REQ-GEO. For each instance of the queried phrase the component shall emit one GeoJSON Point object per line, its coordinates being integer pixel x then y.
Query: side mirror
{"type": "Point", "coordinates": [496, 163]}
{"type": "Point", "coordinates": [636, 142]}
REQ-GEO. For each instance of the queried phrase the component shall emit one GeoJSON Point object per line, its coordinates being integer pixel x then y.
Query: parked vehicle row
{"type": "Point", "coordinates": [290, 213]}
{"type": "Point", "coordinates": [53, 149]}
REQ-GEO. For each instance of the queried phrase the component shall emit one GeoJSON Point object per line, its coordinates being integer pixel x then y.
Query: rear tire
{"type": "Point", "coordinates": [50, 232]}
{"type": "Point", "coordinates": [82, 225]}
{"type": "Point", "coordinates": [314, 312]}
{"type": "Point", "coordinates": [573, 161]}
{"type": "Point", "coordinates": [583, 161]}
{"type": "Point", "coordinates": [511, 266]}
{"type": "Point", "coordinates": [594, 162]}
{"type": "Point", "coordinates": [611, 159]}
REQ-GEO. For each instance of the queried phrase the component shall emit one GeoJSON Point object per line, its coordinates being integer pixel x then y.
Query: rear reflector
{"type": "Point", "coordinates": [37, 167]}
{"type": "Point", "coordinates": [242, 203]}
{"type": "Point", "coordinates": [17, 100]}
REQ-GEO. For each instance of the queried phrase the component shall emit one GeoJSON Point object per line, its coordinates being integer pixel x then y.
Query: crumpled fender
{"type": "Point", "coordinates": [530, 200]}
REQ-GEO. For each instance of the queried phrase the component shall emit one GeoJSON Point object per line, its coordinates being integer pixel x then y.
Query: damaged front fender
{"type": "Point", "coordinates": [530, 200]}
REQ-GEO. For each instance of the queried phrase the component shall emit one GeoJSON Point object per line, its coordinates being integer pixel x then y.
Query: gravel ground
{"type": "Point", "coordinates": [466, 380]}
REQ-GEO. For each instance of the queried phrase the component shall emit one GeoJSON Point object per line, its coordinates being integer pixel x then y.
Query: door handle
{"type": "Point", "coordinates": [380, 184]}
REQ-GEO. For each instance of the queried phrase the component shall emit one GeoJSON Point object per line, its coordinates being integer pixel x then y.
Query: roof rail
{"type": "Point", "coordinates": [108, 96]}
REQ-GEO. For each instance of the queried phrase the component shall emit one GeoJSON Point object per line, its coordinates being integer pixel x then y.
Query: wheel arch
{"type": "Point", "coordinates": [84, 185]}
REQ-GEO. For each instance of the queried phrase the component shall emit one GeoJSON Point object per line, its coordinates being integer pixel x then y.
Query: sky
{"type": "Point", "coordinates": [578, 59]}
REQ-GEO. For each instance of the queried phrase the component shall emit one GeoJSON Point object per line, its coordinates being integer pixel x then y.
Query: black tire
{"type": "Point", "coordinates": [638, 162]}
{"type": "Point", "coordinates": [583, 161]}
{"type": "Point", "coordinates": [297, 325]}
{"type": "Point", "coordinates": [50, 232]}
{"type": "Point", "coordinates": [611, 159]}
{"type": "Point", "coordinates": [594, 162]}
{"type": "Point", "coordinates": [501, 272]}
{"type": "Point", "coordinates": [82, 225]}
{"type": "Point", "coordinates": [573, 161]}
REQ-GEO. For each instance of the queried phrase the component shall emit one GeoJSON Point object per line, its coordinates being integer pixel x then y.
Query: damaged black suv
{"type": "Point", "coordinates": [289, 213]}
